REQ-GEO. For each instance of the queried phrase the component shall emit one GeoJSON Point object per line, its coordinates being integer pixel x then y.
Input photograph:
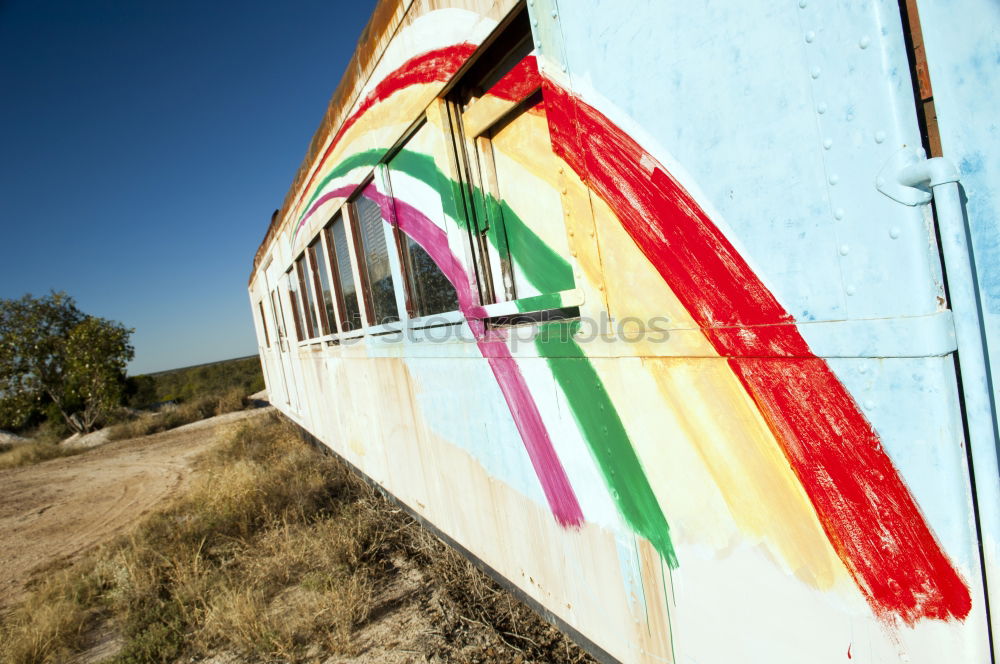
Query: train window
{"type": "Point", "coordinates": [380, 292]}
{"type": "Point", "coordinates": [519, 236]}
{"type": "Point", "coordinates": [293, 298]}
{"type": "Point", "coordinates": [321, 284]}
{"type": "Point", "coordinates": [428, 289]}
{"type": "Point", "coordinates": [263, 324]}
{"type": "Point", "coordinates": [279, 319]}
{"type": "Point", "coordinates": [307, 299]}
{"type": "Point", "coordinates": [340, 261]}
{"type": "Point", "coordinates": [508, 48]}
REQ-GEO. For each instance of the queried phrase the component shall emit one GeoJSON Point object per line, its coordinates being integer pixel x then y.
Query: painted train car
{"type": "Point", "coordinates": [661, 313]}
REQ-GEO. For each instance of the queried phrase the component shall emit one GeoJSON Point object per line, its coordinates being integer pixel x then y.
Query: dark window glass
{"type": "Point", "coordinates": [351, 314]}
{"type": "Point", "coordinates": [321, 281]}
{"type": "Point", "coordinates": [430, 290]}
{"type": "Point", "coordinates": [293, 297]}
{"type": "Point", "coordinates": [279, 316]}
{"type": "Point", "coordinates": [381, 290]}
{"type": "Point", "coordinates": [263, 324]}
{"type": "Point", "coordinates": [306, 293]}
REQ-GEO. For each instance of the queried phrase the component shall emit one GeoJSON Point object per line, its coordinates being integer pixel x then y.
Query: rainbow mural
{"type": "Point", "coordinates": [776, 449]}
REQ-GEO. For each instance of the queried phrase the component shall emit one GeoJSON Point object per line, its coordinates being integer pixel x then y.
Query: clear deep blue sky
{"type": "Point", "coordinates": [144, 146]}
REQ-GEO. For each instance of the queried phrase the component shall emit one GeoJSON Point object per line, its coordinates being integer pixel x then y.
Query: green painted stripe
{"type": "Point", "coordinates": [547, 271]}
{"type": "Point", "coordinates": [604, 432]}
{"type": "Point", "coordinates": [357, 160]}
{"type": "Point", "coordinates": [589, 400]}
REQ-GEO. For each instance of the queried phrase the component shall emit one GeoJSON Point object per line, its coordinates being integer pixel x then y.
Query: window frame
{"type": "Point", "coordinates": [474, 115]}
{"type": "Point", "coordinates": [326, 329]}
{"type": "Point", "coordinates": [345, 213]}
{"type": "Point", "coordinates": [293, 299]}
{"type": "Point", "coordinates": [392, 255]}
{"type": "Point", "coordinates": [278, 312]}
{"type": "Point", "coordinates": [263, 323]}
{"type": "Point", "coordinates": [304, 300]}
{"type": "Point", "coordinates": [409, 299]}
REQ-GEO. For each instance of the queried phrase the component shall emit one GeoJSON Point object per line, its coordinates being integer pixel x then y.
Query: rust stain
{"type": "Point", "coordinates": [655, 634]}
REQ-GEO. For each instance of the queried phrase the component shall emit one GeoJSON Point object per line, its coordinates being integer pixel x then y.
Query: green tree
{"type": "Point", "coordinates": [52, 351]}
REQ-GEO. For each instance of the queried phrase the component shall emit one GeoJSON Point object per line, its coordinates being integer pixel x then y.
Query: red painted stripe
{"type": "Point", "coordinates": [868, 514]}
{"type": "Point", "coordinates": [519, 82]}
{"type": "Point", "coordinates": [437, 65]}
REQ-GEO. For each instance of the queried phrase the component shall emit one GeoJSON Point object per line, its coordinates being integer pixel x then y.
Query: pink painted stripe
{"type": "Point", "coordinates": [527, 418]}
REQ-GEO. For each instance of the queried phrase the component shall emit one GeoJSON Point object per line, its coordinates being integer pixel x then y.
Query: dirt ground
{"type": "Point", "coordinates": [52, 512]}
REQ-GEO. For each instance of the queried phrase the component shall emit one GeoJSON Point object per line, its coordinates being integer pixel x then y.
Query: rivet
{"type": "Point", "coordinates": [810, 36]}
{"type": "Point", "coordinates": [862, 369]}
{"type": "Point", "coordinates": [844, 250]}
{"type": "Point", "coordinates": [827, 144]}
{"type": "Point", "coordinates": [850, 115]}
{"type": "Point", "coordinates": [821, 107]}
{"type": "Point", "coordinates": [590, 233]}
{"type": "Point", "coordinates": [538, 43]}
{"type": "Point", "coordinates": [564, 191]}
{"type": "Point", "coordinates": [894, 232]}
{"type": "Point", "coordinates": [802, 4]}
{"type": "Point", "coordinates": [555, 14]}
{"type": "Point", "coordinates": [815, 72]}
{"type": "Point", "coordinates": [534, 23]}
{"type": "Point", "coordinates": [869, 405]}
{"type": "Point", "coordinates": [833, 179]}
{"type": "Point", "coordinates": [564, 67]}
{"type": "Point", "coordinates": [880, 136]}
{"type": "Point", "coordinates": [864, 42]}
{"type": "Point", "coordinates": [850, 290]}
{"type": "Point", "coordinates": [561, 170]}
{"type": "Point", "coordinates": [838, 213]}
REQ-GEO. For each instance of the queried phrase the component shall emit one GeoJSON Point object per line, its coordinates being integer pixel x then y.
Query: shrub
{"type": "Point", "coordinates": [172, 416]}
{"type": "Point", "coordinates": [26, 454]}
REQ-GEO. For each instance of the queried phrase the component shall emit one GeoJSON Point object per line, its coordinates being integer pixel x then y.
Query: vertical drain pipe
{"type": "Point", "coordinates": [942, 177]}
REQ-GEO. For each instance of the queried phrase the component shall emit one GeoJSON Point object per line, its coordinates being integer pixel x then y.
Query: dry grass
{"type": "Point", "coordinates": [25, 454]}
{"type": "Point", "coordinates": [277, 552]}
{"type": "Point", "coordinates": [173, 416]}
{"type": "Point", "coordinates": [45, 443]}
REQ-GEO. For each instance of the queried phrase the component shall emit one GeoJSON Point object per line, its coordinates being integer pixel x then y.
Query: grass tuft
{"type": "Point", "coordinates": [175, 415]}
{"type": "Point", "coordinates": [26, 454]}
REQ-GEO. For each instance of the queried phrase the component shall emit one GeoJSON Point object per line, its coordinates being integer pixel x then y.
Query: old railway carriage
{"type": "Point", "coordinates": [645, 306]}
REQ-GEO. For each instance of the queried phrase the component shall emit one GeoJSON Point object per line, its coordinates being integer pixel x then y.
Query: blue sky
{"type": "Point", "coordinates": [144, 146]}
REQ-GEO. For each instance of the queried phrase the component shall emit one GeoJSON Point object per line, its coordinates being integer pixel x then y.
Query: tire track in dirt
{"type": "Point", "coordinates": [53, 512]}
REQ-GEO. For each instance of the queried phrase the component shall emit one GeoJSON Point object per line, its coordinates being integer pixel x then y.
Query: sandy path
{"type": "Point", "coordinates": [54, 511]}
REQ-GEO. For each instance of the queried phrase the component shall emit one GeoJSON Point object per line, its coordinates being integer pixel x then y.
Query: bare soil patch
{"type": "Point", "coordinates": [52, 512]}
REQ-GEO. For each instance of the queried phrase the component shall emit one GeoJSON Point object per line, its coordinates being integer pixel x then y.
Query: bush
{"type": "Point", "coordinates": [172, 416]}
{"type": "Point", "coordinates": [26, 454]}
{"type": "Point", "coordinates": [242, 374]}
